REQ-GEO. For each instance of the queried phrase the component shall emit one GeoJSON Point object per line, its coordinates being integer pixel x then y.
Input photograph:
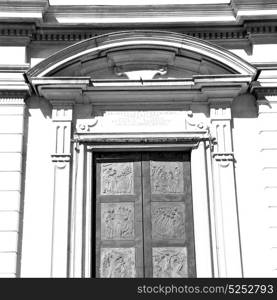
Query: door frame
{"type": "Point", "coordinates": [82, 191]}
{"type": "Point", "coordinates": [143, 158]}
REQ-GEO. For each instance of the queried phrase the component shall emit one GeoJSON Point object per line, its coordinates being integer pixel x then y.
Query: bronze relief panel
{"type": "Point", "coordinates": [170, 262]}
{"type": "Point", "coordinates": [117, 178]}
{"type": "Point", "coordinates": [168, 220]}
{"type": "Point", "coordinates": [117, 221]}
{"type": "Point", "coordinates": [166, 177]}
{"type": "Point", "coordinates": [117, 263]}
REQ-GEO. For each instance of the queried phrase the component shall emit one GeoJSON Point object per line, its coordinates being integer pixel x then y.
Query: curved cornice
{"type": "Point", "coordinates": [141, 39]}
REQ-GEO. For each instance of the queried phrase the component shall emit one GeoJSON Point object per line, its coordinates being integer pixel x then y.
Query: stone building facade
{"type": "Point", "coordinates": [138, 140]}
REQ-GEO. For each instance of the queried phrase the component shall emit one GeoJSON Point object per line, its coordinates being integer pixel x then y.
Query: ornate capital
{"type": "Point", "coordinates": [220, 112]}
{"type": "Point", "coordinates": [62, 110]}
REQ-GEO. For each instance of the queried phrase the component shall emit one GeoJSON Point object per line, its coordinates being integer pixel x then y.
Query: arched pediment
{"type": "Point", "coordinates": [152, 54]}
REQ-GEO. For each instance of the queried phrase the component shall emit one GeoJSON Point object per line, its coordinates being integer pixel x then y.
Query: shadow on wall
{"type": "Point", "coordinates": [244, 106]}
{"type": "Point", "coordinates": [36, 102]}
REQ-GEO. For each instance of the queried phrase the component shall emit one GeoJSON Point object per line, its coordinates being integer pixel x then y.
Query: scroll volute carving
{"type": "Point", "coordinates": [194, 122]}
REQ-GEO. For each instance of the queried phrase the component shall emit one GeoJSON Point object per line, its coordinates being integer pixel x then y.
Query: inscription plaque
{"type": "Point", "coordinates": [117, 221]}
{"type": "Point", "coordinates": [117, 263]}
{"type": "Point", "coordinates": [166, 177]}
{"type": "Point", "coordinates": [168, 220]}
{"type": "Point", "coordinates": [134, 121]}
{"type": "Point", "coordinates": [117, 178]}
{"type": "Point", "coordinates": [170, 262]}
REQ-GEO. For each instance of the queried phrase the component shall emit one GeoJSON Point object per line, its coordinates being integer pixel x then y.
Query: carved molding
{"type": "Point", "coordinates": [261, 92]}
{"type": "Point", "coordinates": [235, 34]}
{"type": "Point", "coordinates": [11, 91]}
{"type": "Point", "coordinates": [61, 160]}
{"type": "Point", "coordinates": [12, 101]}
{"type": "Point", "coordinates": [224, 159]}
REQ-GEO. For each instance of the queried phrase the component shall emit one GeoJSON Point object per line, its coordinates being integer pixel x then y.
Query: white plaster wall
{"type": "Point", "coordinates": [12, 54]}
{"type": "Point", "coordinates": [261, 53]}
{"type": "Point", "coordinates": [256, 152]}
{"type": "Point", "coordinates": [37, 225]}
{"type": "Point", "coordinates": [252, 207]}
{"type": "Point", "coordinates": [267, 144]}
{"type": "Point", "coordinates": [11, 137]}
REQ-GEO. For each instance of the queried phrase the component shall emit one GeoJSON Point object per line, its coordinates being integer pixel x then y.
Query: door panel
{"type": "Point", "coordinates": [168, 221]}
{"type": "Point", "coordinates": [144, 224]}
{"type": "Point", "coordinates": [118, 216]}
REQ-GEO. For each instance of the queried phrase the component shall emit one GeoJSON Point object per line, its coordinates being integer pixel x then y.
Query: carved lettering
{"type": "Point", "coordinates": [117, 221]}
{"type": "Point", "coordinates": [170, 262]}
{"type": "Point", "coordinates": [166, 177]}
{"type": "Point", "coordinates": [168, 221]}
{"type": "Point", "coordinates": [117, 178]}
{"type": "Point", "coordinates": [117, 263]}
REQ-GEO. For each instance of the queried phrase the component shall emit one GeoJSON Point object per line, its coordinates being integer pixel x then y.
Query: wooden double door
{"type": "Point", "coordinates": [143, 215]}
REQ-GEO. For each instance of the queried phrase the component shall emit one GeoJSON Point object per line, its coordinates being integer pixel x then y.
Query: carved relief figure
{"type": "Point", "coordinates": [166, 177]}
{"type": "Point", "coordinates": [117, 263]}
{"type": "Point", "coordinates": [117, 179]}
{"type": "Point", "coordinates": [170, 262]}
{"type": "Point", "coordinates": [168, 221]}
{"type": "Point", "coordinates": [117, 221]}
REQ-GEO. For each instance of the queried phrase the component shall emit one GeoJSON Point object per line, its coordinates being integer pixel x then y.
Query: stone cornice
{"type": "Point", "coordinates": [23, 10]}
{"type": "Point", "coordinates": [234, 12]}
{"type": "Point", "coordinates": [229, 36]}
{"type": "Point", "coordinates": [12, 68]}
{"type": "Point", "coordinates": [13, 87]}
{"type": "Point", "coordinates": [207, 89]}
{"type": "Point", "coordinates": [13, 94]}
{"type": "Point", "coordinates": [260, 92]}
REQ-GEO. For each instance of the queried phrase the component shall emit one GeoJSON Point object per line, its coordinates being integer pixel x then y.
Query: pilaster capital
{"type": "Point", "coordinates": [62, 110]}
{"type": "Point", "coordinates": [220, 112]}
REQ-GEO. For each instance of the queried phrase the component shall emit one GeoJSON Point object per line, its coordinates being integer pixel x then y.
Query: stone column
{"type": "Point", "coordinates": [225, 201]}
{"type": "Point", "coordinates": [11, 168]}
{"type": "Point", "coordinates": [61, 158]}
